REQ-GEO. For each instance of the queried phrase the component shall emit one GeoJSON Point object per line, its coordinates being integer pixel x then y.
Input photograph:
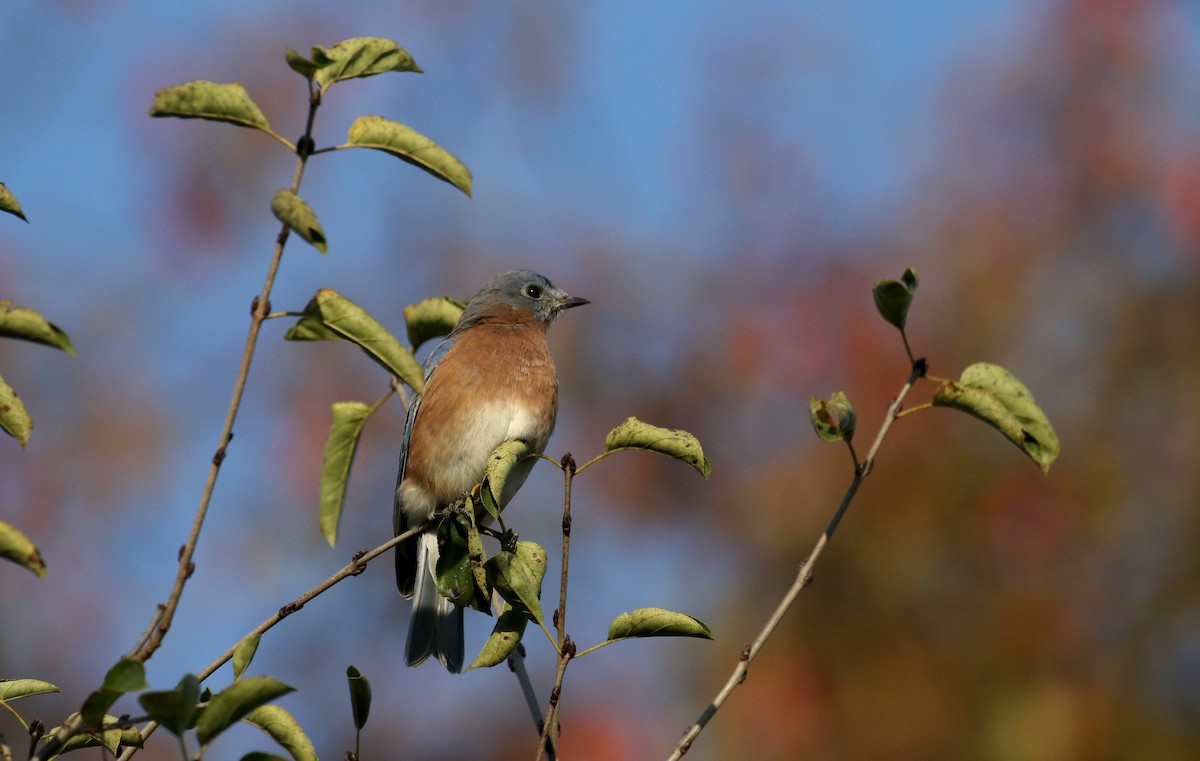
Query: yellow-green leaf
{"type": "Point", "coordinates": [431, 318]}
{"type": "Point", "coordinates": [500, 464]}
{"type": "Point", "coordinates": [518, 575]}
{"type": "Point", "coordinates": [634, 434]}
{"type": "Point", "coordinates": [8, 202]}
{"type": "Point", "coordinates": [505, 636]}
{"type": "Point", "coordinates": [110, 739]}
{"type": "Point", "coordinates": [657, 622]}
{"type": "Point", "coordinates": [331, 314]}
{"type": "Point", "coordinates": [348, 59]}
{"type": "Point", "coordinates": [12, 689]}
{"type": "Point", "coordinates": [283, 729]}
{"type": "Point", "coordinates": [409, 145]}
{"type": "Point", "coordinates": [16, 547]}
{"type": "Point", "coordinates": [29, 325]}
{"type": "Point", "coordinates": [992, 394]}
{"type": "Point", "coordinates": [340, 448]}
{"type": "Point", "coordinates": [243, 654]}
{"type": "Point", "coordinates": [291, 210]}
{"type": "Point", "coordinates": [210, 100]}
{"type": "Point", "coordinates": [832, 419]}
{"type": "Point", "coordinates": [14, 418]}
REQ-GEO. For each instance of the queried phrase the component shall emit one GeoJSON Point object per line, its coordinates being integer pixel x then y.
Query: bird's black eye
{"type": "Point", "coordinates": [533, 291]}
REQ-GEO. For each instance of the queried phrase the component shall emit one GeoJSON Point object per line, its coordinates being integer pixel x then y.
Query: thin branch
{"type": "Point", "coordinates": [803, 577]}
{"type": "Point", "coordinates": [164, 614]}
{"type": "Point", "coordinates": [260, 309]}
{"type": "Point", "coordinates": [516, 664]}
{"type": "Point", "coordinates": [566, 648]}
{"type": "Point", "coordinates": [356, 566]}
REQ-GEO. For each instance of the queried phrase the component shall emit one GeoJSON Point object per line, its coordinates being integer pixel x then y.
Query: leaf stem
{"type": "Point", "coordinates": [911, 410]}
{"type": "Point", "coordinates": [803, 577]}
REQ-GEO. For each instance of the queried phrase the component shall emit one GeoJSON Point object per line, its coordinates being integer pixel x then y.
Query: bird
{"type": "Point", "coordinates": [490, 380]}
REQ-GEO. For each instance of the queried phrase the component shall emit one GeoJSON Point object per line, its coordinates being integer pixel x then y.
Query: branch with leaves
{"type": "Point", "coordinates": [987, 392]}
{"type": "Point", "coordinates": [230, 103]}
{"type": "Point", "coordinates": [510, 578]}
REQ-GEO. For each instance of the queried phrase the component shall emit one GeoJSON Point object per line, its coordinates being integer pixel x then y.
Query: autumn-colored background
{"type": "Point", "coordinates": [725, 181]}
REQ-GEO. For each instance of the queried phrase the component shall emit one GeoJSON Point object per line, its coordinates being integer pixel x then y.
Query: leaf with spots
{"type": "Point", "coordinates": [657, 622]}
{"type": "Point", "coordinates": [634, 434]}
{"type": "Point", "coordinates": [992, 394]}
{"type": "Point", "coordinates": [16, 547]}
{"type": "Point", "coordinates": [331, 315]}
{"type": "Point", "coordinates": [410, 146]}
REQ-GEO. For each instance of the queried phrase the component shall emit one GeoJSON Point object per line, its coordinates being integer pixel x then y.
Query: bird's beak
{"type": "Point", "coordinates": [573, 301]}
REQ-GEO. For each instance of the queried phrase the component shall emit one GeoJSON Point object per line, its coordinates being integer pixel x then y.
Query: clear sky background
{"type": "Point", "coordinates": [724, 181]}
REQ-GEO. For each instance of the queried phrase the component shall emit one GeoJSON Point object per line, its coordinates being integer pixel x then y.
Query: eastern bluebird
{"type": "Point", "coordinates": [491, 380]}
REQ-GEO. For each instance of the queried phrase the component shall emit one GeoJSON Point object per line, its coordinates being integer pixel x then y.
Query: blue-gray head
{"type": "Point", "coordinates": [520, 296]}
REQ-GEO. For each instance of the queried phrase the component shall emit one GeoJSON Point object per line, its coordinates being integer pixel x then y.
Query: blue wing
{"type": "Point", "coordinates": [406, 561]}
{"type": "Point", "coordinates": [431, 364]}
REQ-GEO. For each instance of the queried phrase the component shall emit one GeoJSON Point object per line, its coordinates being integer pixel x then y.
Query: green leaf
{"type": "Point", "coordinates": [283, 729]}
{"type": "Point", "coordinates": [657, 622]}
{"type": "Point", "coordinates": [126, 675]}
{"type": "Point", "coordinates": [431, 318]}
{"type": "Point", "coordinates": [832, 419]}
{"type": "Point", "coordinates": [893, 298]}
{"type": "Point", "coordinates": [174, 709]}
{"type": "Point", "coordinates": [510, 627]}
{"type": "Point", "coordinates": [336, 315]}
{"type": "Point", "coordinates": [459, 579]}
{"type": "Point", "coordinates": [409, 145]}
{"type": "Point", "coordinates": [301, 65]}
{"type": "Point", "coordinates": [111, 739]}
{"type": "Point", "coordinates": [209, 100]}
{"type": "Point", "coordinates": [355, 57]}
{"type": "Point", "coordinates": [518, 575]}
{"type": "Point", "coordinates": [291, 210]}
{"type": "Point", "coordinates": [234, 702]}
{"type": "Point", "coordinates": [14, 419]}
{"type": "Point", "coordinates": [500, 464]}
{"type": "Point", "coordinates": [360, 697]}
{"type": "Point", "coordinates": [8, 202]}
{"type": "Point", "coordinates": [28, 325]}
{"type": "Point", "coordinates": [991, 394]}
{"type": "Point", "coordinates": [634, 434]}
{"type": "Point", "coordinates": [114, 739]}
{"type": "Point", "coordinates": [243, 653]}
{"type": "Point", "coordinates": [16, 547]}
{"type": "Point", "coordinates": [12, 689]}
{"type": "Point", "coordinates": [349, 418]}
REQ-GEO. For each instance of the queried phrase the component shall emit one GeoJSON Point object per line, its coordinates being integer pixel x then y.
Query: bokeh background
{"type": "Point", "coordinates": [725, 181]}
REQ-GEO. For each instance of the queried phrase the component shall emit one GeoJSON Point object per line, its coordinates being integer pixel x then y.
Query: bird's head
{"type": "Point", "coordinates": [519, 296]}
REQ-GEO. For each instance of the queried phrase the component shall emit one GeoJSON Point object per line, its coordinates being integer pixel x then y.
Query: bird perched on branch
{"type": "Point", "coordinates": [491, 380]}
